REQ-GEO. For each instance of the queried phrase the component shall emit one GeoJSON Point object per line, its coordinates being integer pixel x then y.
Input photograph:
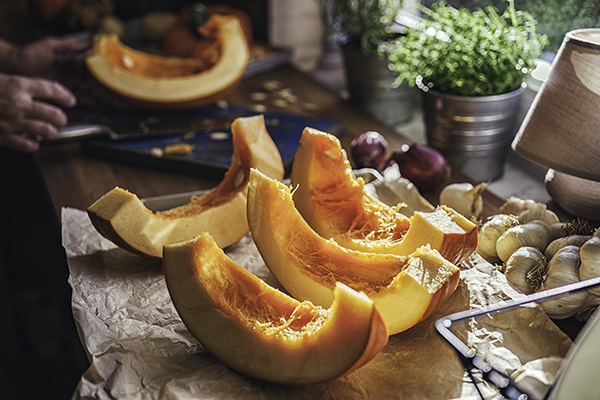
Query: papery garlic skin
{"type": "Point", "coordinates": [535, 233]}
{"type": "Point", "coordinates": [538, 211]}
{"type": "Point", "coordinates": [590, 261]}
{"type": "Point", "coordinates": [556, 230]}
{"type": "Point", "coordinates": [515, 206]}
{"type": "Point", "coordinates": [399, 192]}
{"type": "Point", "coordinates": [464, 198]}
{"type": "Point", "coordinates": [563, 269]}
{"type": "Point", "coordinates": [519, 264]}
{"type": "Point", "coordinates": [490, 232]}
{"type": "Point", "coordinates": [557, 244]}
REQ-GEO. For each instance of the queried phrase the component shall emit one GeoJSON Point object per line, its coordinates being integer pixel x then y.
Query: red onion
{"type": "Point", "coordinates": [424, 166]}
{"type": "Point", "coordinates": [369, 150]}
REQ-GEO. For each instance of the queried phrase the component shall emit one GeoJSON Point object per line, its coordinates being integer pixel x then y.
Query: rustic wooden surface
{"type": "Point", "coordinates": [75, 180]}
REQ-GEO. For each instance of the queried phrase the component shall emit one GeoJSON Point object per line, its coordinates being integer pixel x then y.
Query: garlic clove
{"type": "Point", "coordinates": [538, 211]}
{"type": "Point", "coordinates": [490, 232]}
{"type": "Point", "coordinates": [464, 198]}
{"type": "Point", "coordinates": [396, 191]}
{"type": "Point", "coordinates": [590, 261]}
{"type": "Point", "coordinates": [518, 266]}
{"type": "Point", "coordinates": [586, 311]}
{"type": "Point", "coordinates": [563, 269]}
{"type": "Point", "coordinates": [515, 206]}
{"type": "Point", "coordinates": [557, 244]}
{"type": "Point", "coordinates": [556, 230]}
{"type": "Point", "coordinates": [535, 233]}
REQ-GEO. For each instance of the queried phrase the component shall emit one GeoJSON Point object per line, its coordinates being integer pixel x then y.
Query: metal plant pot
{"type": "Point", "coordinates": [473, 133]}
{"type": "Point", "coordinates": [370, 85]}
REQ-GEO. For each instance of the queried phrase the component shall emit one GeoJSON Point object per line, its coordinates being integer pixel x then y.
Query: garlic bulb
{"type": "Point", "coordinates": [535, 233]}
{"type": "Point", "coordinates": [557, 244]}
{"type": "Point", "coordinates": [590, 261]}
{"type": "Point", "coordinates": [518, 266]}
{"type": "Point", "coordinates": [399, 192]}
{"type": "Point", "coordinates": [515, 206]}
{"type": "Point", "coordinates": [556, 230]}
{"type": "Point", "coordinates": [563, 269]}
{"type": "Point", "coordinates": [490, 232]}
{"type": "Point", "coordinates": [538, 211]}
{"type": "Point", "coordinates": [464, 198]}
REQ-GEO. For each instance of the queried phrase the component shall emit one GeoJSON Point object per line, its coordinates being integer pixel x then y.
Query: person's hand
{"type": "Point", "coordinates": [24, 117]}
{"type": "Point", "coordinates": [44, 54]}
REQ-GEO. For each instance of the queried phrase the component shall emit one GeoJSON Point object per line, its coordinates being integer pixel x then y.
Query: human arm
{"type": "Point", "coordinates": [40, 56]}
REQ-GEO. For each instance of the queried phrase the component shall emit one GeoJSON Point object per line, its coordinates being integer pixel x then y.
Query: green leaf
{"type": "Point", "coordinates": [479, 53]}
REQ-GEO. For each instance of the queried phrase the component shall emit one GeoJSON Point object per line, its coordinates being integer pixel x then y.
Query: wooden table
{"type": "Point", "coordinates": [74, 180]}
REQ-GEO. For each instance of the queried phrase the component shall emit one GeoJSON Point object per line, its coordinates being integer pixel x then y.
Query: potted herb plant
{"type": "Point", "coordinates": [367, 29]}
{"type": "Point", "coordinates": [472, 67]}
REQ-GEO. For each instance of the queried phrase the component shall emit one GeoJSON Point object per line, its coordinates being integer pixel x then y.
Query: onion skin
{"type": "Point", "coordinates": [424, 166]}
{"type": "Point", "coordinates": [369, 150]}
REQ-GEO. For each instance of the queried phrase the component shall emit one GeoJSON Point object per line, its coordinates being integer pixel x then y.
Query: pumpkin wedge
{"type": "Point", "coordinates": [262, 332]}
{"type": "Point", "coordinates": [336, 205]}
{"type": "Point", "coordinates": [121, 217]}
{"type": "Point", "coordinates": [405, 289]}
{"type": "Point", "coordinates": [169, 82]}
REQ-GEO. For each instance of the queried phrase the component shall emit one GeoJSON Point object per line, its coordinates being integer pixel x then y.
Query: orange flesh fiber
{"type": "Point", "coordinates": [261, 331]}
{"type": "Point", "coordinates": [405, 289]}
{"type": "Point", "coordinates": [357, 271]}
{"type": "Point", "coordinates": [339, 194]}
{"type": "Point", "coordinates": [235, 180]}
{"type": "Point", "coordinates": [237, 294]}
{"type": "Point", "coordinates": [336, 205]}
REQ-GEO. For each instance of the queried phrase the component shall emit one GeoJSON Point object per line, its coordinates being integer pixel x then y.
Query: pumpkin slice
{"type": "Point", "coordinates": [165, 82]}
{"type": "Point", "coordinates": [122, 218]}
{"type": "Point", "coordinates": [336, 205]}
{"type": "Point", "coordinates": [262, 332]}
{"type": "Point", "coordinates": [405, 289]}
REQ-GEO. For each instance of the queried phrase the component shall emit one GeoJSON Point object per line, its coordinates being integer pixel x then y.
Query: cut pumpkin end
{"type": "Point", "coordinates": [336, 205]}
{"type": "Point", "coordinates": [405, 289]}
{"type": "Point", "coordinates": [167, 82]}
{"type": "Point", "coordinates": [122, 217]}
{"type": "Point", "coordinates": [262, 332]}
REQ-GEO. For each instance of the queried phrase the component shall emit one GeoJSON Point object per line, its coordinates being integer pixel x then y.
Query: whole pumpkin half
{"type": "Point", "coordinates": [122, 217]}
{"type": "Point", "coordinates": [336, 205]}
{"type": "Point", "coordinates": [261, 331]}
{"type": "Point", "coordinates": [170, 82]}
{"type": "Point", "coordinates": [405, 289]}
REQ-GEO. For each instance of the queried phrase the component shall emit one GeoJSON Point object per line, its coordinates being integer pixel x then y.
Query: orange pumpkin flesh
{"type": "Point", "coordinates": [122, 218]}
{"type": "Point", "coordinates": [335, 204]}
{"type": "Point", "coordinates": [405, 289]}
{"type": "Point", "coordinates": [169, 82]}
{"type": "Point", "coordinates": [262, 332]}
{"type": "Point", "coordinates": [182, 41]}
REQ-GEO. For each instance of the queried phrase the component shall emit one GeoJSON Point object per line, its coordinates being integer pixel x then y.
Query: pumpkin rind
{"type": "Point", "coordinates": [336, 205]}
{"type": "Point", "coordinates": [405, 289]}
{"type": "Point", "coordinates": [121, 217]}
{"type": "Point", "coordinates": [164, 82]}
{"type": "Point", "coordinates": [262, 332]}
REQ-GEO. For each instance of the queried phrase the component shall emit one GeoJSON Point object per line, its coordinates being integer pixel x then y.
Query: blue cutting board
{"type": "Point", "coordinates": [212, 147]}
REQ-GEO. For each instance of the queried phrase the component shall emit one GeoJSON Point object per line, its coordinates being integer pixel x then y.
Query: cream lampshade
{"type": "Point", "coordinates": [562, 128]}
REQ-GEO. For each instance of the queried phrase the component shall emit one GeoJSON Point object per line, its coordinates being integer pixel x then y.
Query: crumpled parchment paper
{"type": "Point", "coordinates": [139, 348]}
{"type": "Point", "coordinates": [393, 189]}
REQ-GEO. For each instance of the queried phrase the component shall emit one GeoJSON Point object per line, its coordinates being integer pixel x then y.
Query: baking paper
{"type": "Point", "coordinates": [139, 348]}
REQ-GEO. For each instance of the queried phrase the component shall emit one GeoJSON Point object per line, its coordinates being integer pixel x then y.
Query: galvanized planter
{"type": "Point", "coordinates": [473, 133]}
{"type": "Point", "coordinates": [370, 85]}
